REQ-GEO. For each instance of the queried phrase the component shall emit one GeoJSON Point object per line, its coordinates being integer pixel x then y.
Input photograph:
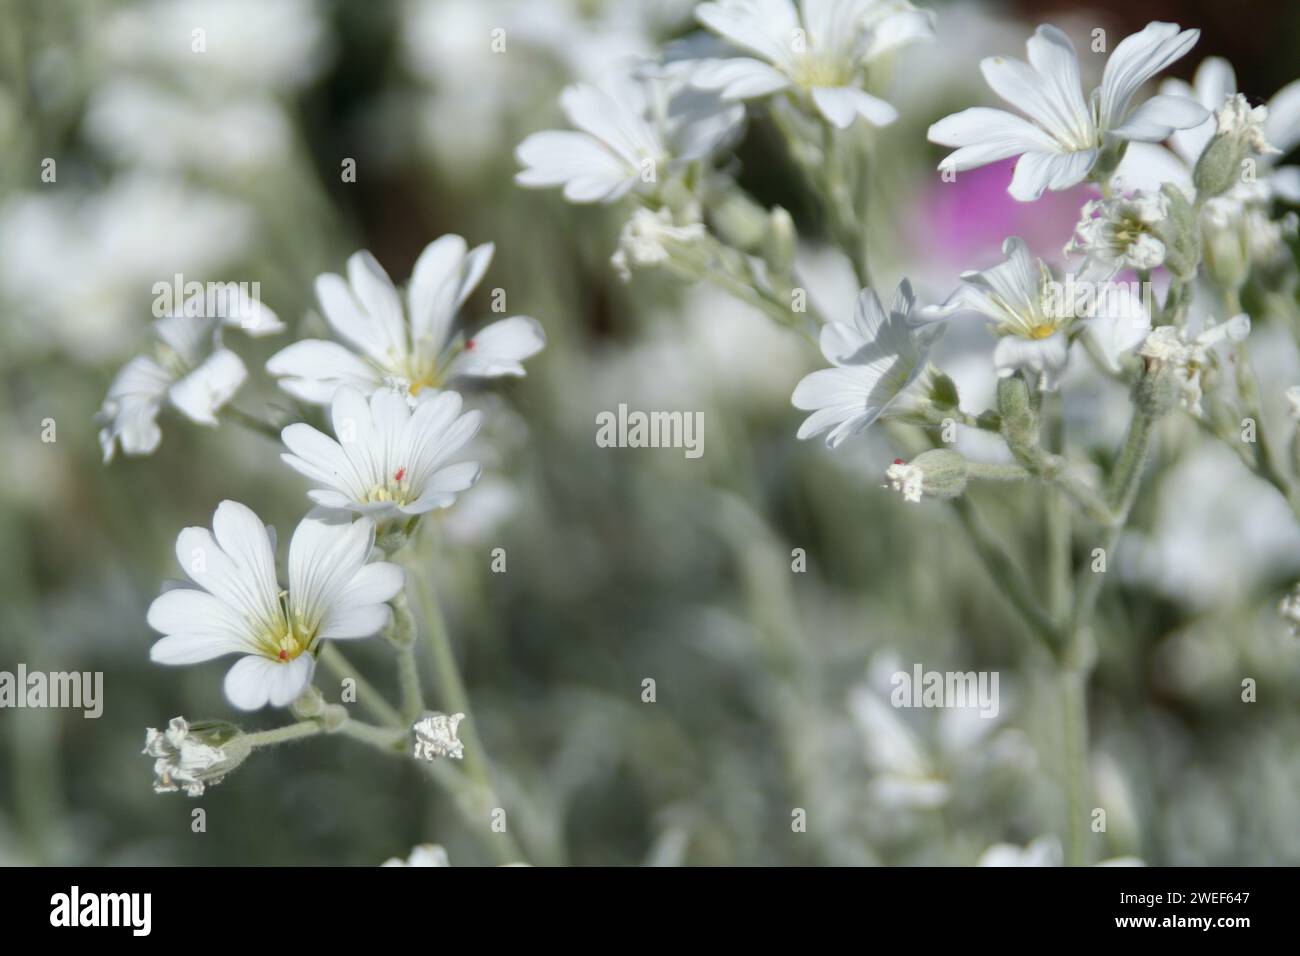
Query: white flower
{"type": "Point", "coordinates": [190, 369]}
{"type": "Point", "coordinates": [1119, 233]}
{"type": "Point", "coordinates": [426, 854]}
{"type": "Point", "coordinates": [635, 132]}
{"type": "Point", "coordinates": [875, 360]}
{"type": "Point", "coordinates": [435, 736]}
{"type": "Point", "coordinates": [1060, 146]}
{"type": "Point", "coordinates": [1036, 318]}
{"type": "Point", "coordinates": [239, 608]}
{"type": "Point", "coordinates": [819, 49]}
{"type": "Point", "coordinates": [1192, 355]}
{"type": "Point", "coordinates": [388, 460]}
{"type": "Point", "coordinates": [185, 760]}
{"type": "Point", "coordinates": [387, 349]}
{"type": "Point", "coordinates": [642, 241]}
{"type": "Point", "coordinates": [906, 478]}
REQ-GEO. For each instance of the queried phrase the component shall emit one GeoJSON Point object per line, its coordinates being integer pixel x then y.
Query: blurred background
{"type": "Point", "coordinates": [624, 564]}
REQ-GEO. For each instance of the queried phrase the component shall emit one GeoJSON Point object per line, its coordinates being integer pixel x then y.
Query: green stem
{"type": "Point", "coordinates": [983, 471]}
{"type": "Point", "coordinates": [387, 739]}
{"type": "Point", "coordinates": [455, 699]}
{"type": "Point", "coordinates": [1078, 788]}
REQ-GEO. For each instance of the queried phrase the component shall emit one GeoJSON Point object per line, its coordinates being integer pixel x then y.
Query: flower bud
{"type": "Point", "coordinates": [939, 473]}
{"type": "Point", "coordinates": [739, 221]}
{"type": "Point", "coordinates": [1019, 419]}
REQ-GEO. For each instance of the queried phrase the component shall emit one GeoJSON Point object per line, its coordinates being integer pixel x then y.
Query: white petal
{"type": "Point", "coordinates": [353, 621]}
{"type": "Point", "coordinates": [440, 490]}
{"type": "Point", "coordinates": [841, 105]}
{"type": "Point", "coordinates": [739, 78]}
{"type": "Point", "coordinates": [314, 368]}
{"type": "Point", "coordinates": [985, 136]}
{"type": "Point", "coordinates": [382, 304]}
{"type": "Point", "coordinates": [589, 171]}
{"type": "Point", "coordinates": [1137, 59]}
{"type": "Point", "coordinates": [1042, 357]}
{"type": "Point", "coordinates": [442, 279]}
{"type": "Point", "coordinates": [347, 318]}
{"type": "Point", "coordinates": [200, 394]}
{"type": "Point", "coordinates": [1159, 116]}
{"type": "Point", "coordinates": [321, 458]}
{"type": "Point", "coordinates": [1052, 55]}
{"type": "Point", "coordinates": [1038, 171]}
{"type": "Point", "coordinates": [500, 348]}
{"type": "Point", "coordinates": [256, 681]}
{"type": "Point", "coordinates": [1282, 128]}
{"type": "Point", "coordinates": [1147, 166]}
{"type": "Point", "coordinates": [325, 553]}
{"type": "Point", "coordinates": [1035, 95]}
{"type": "Point", "coordinates": [613, 120]}
{"type": "Point", "coordinates": [765, 27]}
{"type": "Point", "coordinates": [198, 625]}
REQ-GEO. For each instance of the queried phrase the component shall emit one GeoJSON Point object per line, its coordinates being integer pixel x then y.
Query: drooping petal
{"type": "Point", "coordinates": [765, 27]}
{"type": "Point", "coordinates": [1282, 128]}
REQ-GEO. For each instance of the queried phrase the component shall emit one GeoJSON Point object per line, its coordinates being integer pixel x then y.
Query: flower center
{"type": "Point", "coordinates": [289, 635]}
{"type": "Point", "coordinates": [396, 489]}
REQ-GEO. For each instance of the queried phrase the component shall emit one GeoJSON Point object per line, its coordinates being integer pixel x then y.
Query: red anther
{"type": "Point", "coordinates": [469, 346]}
{"type": "Point", "coordinates": [401, 473]}
{"type": "Point", "coordinates": [899, 461]}
{"type": "Point", "coordinates": [284, 655]}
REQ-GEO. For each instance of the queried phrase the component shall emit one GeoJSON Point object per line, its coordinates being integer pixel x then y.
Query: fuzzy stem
{"type": "Point", "coordinates": [280, 735]}
{"type": "Point", "coordinates": [983, 471]}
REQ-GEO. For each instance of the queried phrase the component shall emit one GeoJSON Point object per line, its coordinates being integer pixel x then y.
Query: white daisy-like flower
{"type": "Point", "coordinates": [190, 370]}
{"type": "Point", "coordinates": [1120, 233]}
{"type": "Point", "coordinates": [907, 479]}
{"type": "Point", "coordinates": [875, 361]}
{"type": "Point", "coordinates": [186, 759]}
{"type": "Point", "coordinates": [410, 350]}
{"type": "Point", "coordinates": [1036, 318]}
{"type": "Point", "coordinates": [1059, 148]}
{"type": "Point", "coordinates": [388, 460]}
{"type": "Point", "coordinates": [238, 607]}
{"type": "Point", "coordinates": [435, 736]}
{"type": "Point", "coordinates": [1191, 355]}
{"type": "Point", "coordinates": [426, 854]}
{"type": "Point", "coordinates": [634, 133]}
{"type": "Point", "coordinates": [1214, 86]}
{"type": "Point", "coordinates": [643, 240]}
{"type": "Point", "coordinates": [817, 49]}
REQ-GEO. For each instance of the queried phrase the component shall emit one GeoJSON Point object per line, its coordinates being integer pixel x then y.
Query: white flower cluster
{"type": "Point", "coordinates": [397, 429]}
